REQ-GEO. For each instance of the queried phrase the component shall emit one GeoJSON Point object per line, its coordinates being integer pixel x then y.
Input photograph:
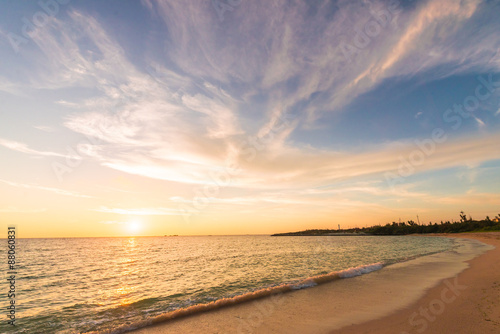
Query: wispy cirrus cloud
{"type": "Point", "coordinates": [57, 191]}
{"type": "Point", "coordinates": [294, 66]}
{"type": "Point", "coordinates": [447, 16]}
{"type": "Point", "coordinates": [44, 128]}
{"type": "Point", "coordinates": [23, 148]}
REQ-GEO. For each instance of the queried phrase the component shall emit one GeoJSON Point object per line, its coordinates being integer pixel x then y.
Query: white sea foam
{"type": "Point", "coordinates": [357, 271]}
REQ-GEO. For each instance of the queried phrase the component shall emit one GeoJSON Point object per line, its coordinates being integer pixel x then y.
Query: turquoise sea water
{"type": "Point", "coordinates": [79, 285]}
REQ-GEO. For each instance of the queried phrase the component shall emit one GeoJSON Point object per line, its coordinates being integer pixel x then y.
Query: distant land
{"type": "Point", "coordinates": [410, 227]}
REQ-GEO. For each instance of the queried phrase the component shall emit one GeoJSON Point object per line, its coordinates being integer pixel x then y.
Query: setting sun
{"type": "Point", "coordinates": [134, 227]}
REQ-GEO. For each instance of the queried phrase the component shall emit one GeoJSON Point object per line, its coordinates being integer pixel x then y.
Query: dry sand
{"type": "Point", "coordinates": [469, 303]}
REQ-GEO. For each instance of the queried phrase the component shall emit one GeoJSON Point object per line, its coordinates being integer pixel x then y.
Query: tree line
{"type": "Point", "coordinates": [466, 224]}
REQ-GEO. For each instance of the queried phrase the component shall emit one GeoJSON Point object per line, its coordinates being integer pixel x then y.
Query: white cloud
{"type": "Point", "coordinates": [479, 121]}
{"type": "Point", "coordinates": [222, 121]}
{"type": "Point", "coordinates": [49, 189]}
{"type": "Point", "coordinates": [44, 128]}
{"type": "Point", "coordinates": [23, 148]}
{"type": "Point", "coordinates": [11, 87]}
{"type": "Point", "coordinates": [68, 104]}
{"type": "Point", "coordinates": [294, 166]}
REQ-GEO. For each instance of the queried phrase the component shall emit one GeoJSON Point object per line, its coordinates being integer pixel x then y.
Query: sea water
{"type": "Point", "coordinates": [79, 285]}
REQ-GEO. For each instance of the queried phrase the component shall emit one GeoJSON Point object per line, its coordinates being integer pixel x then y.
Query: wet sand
{"type": "Point", "coordinates": [391, 300]}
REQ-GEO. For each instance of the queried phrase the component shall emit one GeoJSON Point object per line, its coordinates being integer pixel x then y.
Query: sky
{"type": "Point", "coordinates": [246, 117]}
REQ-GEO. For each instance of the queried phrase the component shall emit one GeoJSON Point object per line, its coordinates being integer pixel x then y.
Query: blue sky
{"type": "Point", "coordinates": [180, 116]}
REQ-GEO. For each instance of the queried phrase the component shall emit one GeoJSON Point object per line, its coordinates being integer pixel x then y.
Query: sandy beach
{"type": "Point", "coordinates": [432, 294]}
{"type": "Point", "coordinates": [475, 310]}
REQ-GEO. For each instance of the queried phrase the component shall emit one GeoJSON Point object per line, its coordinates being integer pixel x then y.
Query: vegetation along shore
{"type": "Point", "coordinates": [466, 224]}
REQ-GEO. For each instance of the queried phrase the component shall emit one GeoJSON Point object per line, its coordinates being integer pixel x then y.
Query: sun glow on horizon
{"type": "Point", "coordinates": [134, 227]}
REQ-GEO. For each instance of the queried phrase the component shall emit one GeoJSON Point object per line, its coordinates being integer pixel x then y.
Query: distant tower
{"type": "Point", "coordinates": [339, 227]}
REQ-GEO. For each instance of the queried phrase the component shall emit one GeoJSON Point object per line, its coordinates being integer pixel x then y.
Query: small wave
{"type": "Point", "coordinates": [352, 272]}
{"type": "Point", "coordinates": [258, 294]}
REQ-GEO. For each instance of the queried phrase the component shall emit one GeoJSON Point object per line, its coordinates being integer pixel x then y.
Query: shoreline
{"type": "Point", "coordinates": [474, 309]}
{"type": "Point", "coordinates": [367, 301]}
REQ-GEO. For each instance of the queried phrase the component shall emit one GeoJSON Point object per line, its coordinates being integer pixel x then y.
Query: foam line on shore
{"type": "Point", "coordinates": [250, 296]}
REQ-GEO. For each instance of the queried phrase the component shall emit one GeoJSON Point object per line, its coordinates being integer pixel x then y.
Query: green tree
{"type": "Point", "coordinates": [463, 217]}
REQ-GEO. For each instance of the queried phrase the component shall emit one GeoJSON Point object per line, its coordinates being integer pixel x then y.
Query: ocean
{"type": "Point", "coordinates": [114, 285]}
